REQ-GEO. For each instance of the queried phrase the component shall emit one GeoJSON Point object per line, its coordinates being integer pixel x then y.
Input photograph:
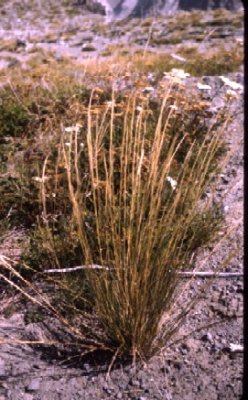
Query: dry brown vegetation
{"type": "Point", "coordinates": [108, 173]}
{"type": "Point", "coordinates": [112, 180]}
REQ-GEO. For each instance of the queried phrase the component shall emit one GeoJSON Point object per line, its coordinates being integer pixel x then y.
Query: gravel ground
{"type": "Point", "coordinates": [203, 365]}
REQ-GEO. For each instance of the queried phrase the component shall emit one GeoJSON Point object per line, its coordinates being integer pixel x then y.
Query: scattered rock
{"type": "Point", "coordinates": [2, 369]}
{"type": "Point", "coordinates": [207, 337]}
{"type": "Point", "coordinates": [88, 47]}
{"type": "Point", "coordinates": [34, 385]}
{"type": "Point", "coordinates": [135, 382]}
{"type": "Point", "coordinates": [27, 396]}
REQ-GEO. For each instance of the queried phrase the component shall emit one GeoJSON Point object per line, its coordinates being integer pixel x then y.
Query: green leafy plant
{"type": "Point", "coordinates": [13, 118]}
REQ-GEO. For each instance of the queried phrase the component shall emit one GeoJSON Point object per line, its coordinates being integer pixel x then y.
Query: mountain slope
{"type": "Point", "coordinates": [140, 8]}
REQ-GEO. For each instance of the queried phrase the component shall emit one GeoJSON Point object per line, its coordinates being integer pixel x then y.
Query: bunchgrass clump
{"type": "Point", "coordinates": [116, 182]}
{"type": "Point", "coordinates": [137, 204]}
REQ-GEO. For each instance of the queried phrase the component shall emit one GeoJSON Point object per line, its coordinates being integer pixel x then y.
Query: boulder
{"type": "Point", "coordinates": [94, 6]}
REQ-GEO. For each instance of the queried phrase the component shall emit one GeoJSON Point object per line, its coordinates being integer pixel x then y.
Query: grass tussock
{"type": "Point", "coordinates": [114, 182]}
{"type": "Point", "coordinates": [134, 185]}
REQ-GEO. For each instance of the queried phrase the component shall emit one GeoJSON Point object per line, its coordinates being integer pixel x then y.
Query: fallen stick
{"type": "Point", "coordinates": [185, 274]}
{"type": "Point", "coordinates": [78, 268]}
{"type": "Point", "coordinates": [208, 274]}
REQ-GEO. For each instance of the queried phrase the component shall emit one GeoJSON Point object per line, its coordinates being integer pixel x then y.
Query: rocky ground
{"type": "Point", "coordinates": [203, 364]}
{"type": "Point", "coordinates": [32, 34]}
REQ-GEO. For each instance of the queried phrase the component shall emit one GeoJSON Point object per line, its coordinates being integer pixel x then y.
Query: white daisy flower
{"type": "Point", "coordinates": [202, 86]}
{"type": "Point", "coordinates": [232, 84]}
{"type": "Point", "coordinates": [40, 179]}
{"type": "Point", "coordinates": [179, 73]}
{"type": "Point", "coordinates": [173, 107]}
{"type": "Point", "coordinates": [75, 128]}
{"type": "Point", "coordinates": [148, 89]}
{"type": "Point", "coordinates": [69, 129]}
{"type": "Point", "coordinates": [172, 182]}
{"type": "Point", "coordinates": [232, 93]}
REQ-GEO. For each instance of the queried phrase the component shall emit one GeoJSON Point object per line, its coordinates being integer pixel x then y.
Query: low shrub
{"type": "Point", "coordinates": [14, 118]}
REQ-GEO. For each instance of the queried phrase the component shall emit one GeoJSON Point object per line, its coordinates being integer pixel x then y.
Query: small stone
{"type": "Point", "coordinates": [234, 304]}
{"type": "Point", "coordinates": [20, 43]}
{"type": "Point", "coordinates": [119, 395]}
{"type": "Point", "coordinates": [224, 179]}
{"type": "Point", "coordinates": [4, 385]}
{"type": "Point", "coordinates": [240, 288]}
{"type": "Point", "coordinates": [27, 396]}
{"type": "Point", "coordinates": [88, 47]}
{"type": "Point", "coordinates": [34, 385]}
{"type": "Point", "coordinates": [87, 367]}
{"type": "Point", "coordinates": [2, 369]}
{"type": "Point", "coordinates": [207, 337]}
{"type": "Point", "coordinates": [105, 386]}
{"type": "Point", "coordinates": [108, 388]}
{"type": "Point", "coordinates": [135, 383]}
{"type": "Point", "coordinates": [178, 365]}
{"type": "Point", "coordinates": [184, 348]}
{"type": "Point", "coordinates": [234, 172]}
